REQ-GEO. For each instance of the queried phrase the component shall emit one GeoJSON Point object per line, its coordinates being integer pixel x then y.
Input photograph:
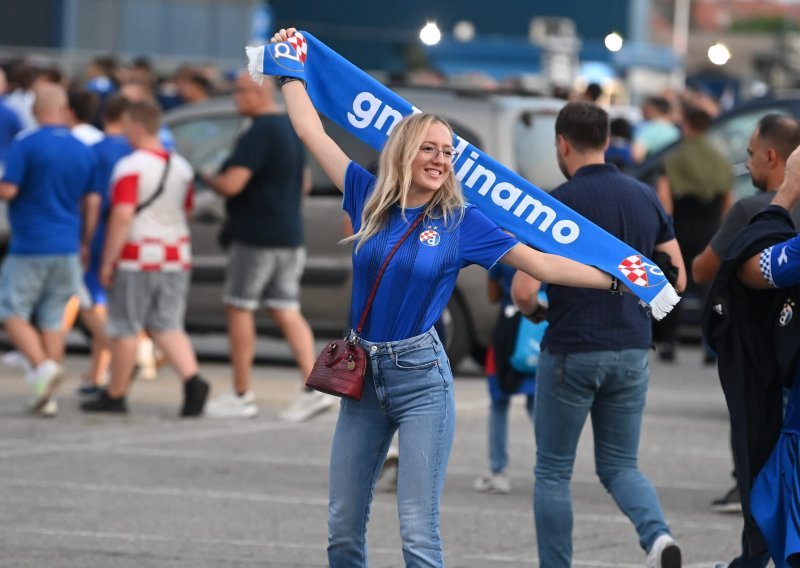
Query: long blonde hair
{"type": "Point", "coordinates": [394, 180]}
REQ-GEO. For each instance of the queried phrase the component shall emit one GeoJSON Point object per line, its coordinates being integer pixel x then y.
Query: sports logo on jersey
{"type": "Point", "coordinates": [430, 237]}
{"type": "Point", "coordinates": [640, 273]}
{"type": "Point", "coordinates": [783, 258]}
{"type": "Point", "coordinates": [786, 314]}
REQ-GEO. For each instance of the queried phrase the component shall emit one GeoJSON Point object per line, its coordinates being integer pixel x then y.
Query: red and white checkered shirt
{"type": "Point", "coordinates": [159, 235]}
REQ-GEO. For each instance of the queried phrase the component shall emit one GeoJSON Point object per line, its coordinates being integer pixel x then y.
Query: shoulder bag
{"type": "Point", "coordinates": [339, 369]}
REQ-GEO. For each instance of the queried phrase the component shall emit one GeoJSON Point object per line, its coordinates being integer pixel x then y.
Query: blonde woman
{"type": "Point", "coordinates": [409, 384]}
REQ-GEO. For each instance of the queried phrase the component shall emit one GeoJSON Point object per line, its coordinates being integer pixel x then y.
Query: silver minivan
{"type": "Point", "coordinates": [518, 131]}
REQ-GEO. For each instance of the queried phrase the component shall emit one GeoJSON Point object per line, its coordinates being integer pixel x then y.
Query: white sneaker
{"type": "Point", "coordinates": [497, 483]}
{"type": "Point", "coordinates": [50, 409]}
{"type": "Point", "coordinates": [664, 553]}
{"type": "Point", "coordinates": [307, 405]}
{"type": "Point", "coordinates": [44, 380]}
{"type": "Point", "coordinates": [231, 405]}
{"type": "Point", "coordinates": [18, 360]}
{"type": "Point", "coordinates": [146, 359]}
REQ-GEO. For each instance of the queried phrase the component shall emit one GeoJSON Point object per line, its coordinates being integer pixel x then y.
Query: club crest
{"type": "Point", "coordinates": [430, 238]}
{"type": "Point", "coordinates": [641, 273]}
{"type": "Point", "coordinates": [300, 46]}
{"type": "Point", "coordinates": [787, 313]}
{"type": "Point", "coordinates": [291, 54]}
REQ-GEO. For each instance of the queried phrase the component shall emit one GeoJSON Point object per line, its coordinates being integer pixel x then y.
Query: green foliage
{"type": "Point", "coordinates": [764, 24]}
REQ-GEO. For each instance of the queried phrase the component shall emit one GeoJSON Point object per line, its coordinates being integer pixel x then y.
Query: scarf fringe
{"type": "Point", "coordinates": [664, 301]}
{"type": "Point", "coordinates": [255, 62]}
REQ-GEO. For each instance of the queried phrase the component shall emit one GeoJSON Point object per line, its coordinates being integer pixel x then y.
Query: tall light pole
{"type": "Point", "coordinates": [680, 39]}
{"type": "Point", "coordinates": [639, 21]}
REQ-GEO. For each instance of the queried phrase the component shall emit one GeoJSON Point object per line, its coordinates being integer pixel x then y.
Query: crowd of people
{"type": "Point", "coordinates": [120, 201]}
{"type": "Point", "coordinates": [98, 203]}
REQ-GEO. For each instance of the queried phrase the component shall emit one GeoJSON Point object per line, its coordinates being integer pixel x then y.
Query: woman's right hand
{"type": "Point", "coordinates": [283, 35]}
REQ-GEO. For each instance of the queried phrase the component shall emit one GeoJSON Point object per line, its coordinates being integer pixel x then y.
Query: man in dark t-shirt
{"type": "Point", "coordinates": [264, 180]}
{"type": "Point", "coordinates": [594, 352]}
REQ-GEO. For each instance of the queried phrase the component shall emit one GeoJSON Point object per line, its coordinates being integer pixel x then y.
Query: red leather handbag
{"type": "Point", "coordinates": [339, 369]}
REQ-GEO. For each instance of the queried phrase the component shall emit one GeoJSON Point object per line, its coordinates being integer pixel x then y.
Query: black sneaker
{"type": "Point", "coordinates": [195, 393]}
{"type": "Point", "coordinates": [104, 403]}
{"type": "Point", "coordinates": [731, 502]}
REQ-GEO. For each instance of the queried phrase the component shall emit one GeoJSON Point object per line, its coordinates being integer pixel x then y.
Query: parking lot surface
{"type": "Point", "coordinates": [151, 490]}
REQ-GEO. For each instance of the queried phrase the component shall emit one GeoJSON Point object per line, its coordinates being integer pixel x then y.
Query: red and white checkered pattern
{"type": "Point", "coordinates": [300, 45]}
{"type": "Point", "coordinates": [429, 237]}
{"type": "Point", "coordinates": [158, 238]}
{"type": "Point", "coordinates": [634, 270]}
{"type": "Point", "coordinates": [156, 255]}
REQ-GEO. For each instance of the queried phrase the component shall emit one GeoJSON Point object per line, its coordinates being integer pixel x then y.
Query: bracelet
{"type": "Point", "coordinates": [287, 79]}
{"type": "Point", "coordinates": [615, 287]}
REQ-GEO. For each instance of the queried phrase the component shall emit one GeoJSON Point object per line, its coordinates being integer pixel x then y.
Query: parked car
{"type": "Point", "coordinates": [518, 131]}
{"type": "Point", "coordinates": [730, 134]}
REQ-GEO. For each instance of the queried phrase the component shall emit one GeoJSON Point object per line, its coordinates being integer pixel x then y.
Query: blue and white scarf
{"type": "Point", "coordinates": [369, 110]}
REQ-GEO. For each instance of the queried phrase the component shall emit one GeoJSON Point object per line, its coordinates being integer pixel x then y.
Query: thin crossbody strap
{"type": "Point", "coordinates": [367, 307]}
{"type": "Point", "coordinates": [147, 202]}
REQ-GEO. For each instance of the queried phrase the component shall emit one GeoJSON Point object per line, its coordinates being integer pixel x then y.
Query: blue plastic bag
{"type": "Point", "coordinates": [525, 358]}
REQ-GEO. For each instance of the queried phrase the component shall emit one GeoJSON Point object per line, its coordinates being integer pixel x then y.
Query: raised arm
{"type": "Point", "coordinates": [308, 126]}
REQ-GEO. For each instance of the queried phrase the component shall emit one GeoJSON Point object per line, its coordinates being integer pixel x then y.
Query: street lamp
{"type": "Point", "coordinates": [430, 34]}
{"type": "Point", "coordinates": [613, 42]}
{"type": "Point", "coordinates": [719, 54]}
{"type": "Point", "coordinates": [464, 30]}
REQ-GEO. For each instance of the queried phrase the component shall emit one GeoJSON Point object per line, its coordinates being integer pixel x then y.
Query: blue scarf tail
{"type": "Point", "coordinates": [366, 108]}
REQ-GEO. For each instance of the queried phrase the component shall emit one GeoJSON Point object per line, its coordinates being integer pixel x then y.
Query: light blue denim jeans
{"type": "Point", "coordinates": [498, 431]}
{"type": "Point", "coordinates": [408, 388]}
{"type": "Point", "coordinates": [612, 386]}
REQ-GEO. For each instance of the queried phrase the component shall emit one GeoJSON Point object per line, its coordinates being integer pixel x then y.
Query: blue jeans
{"type": "Point", "coordinates": [408, 388]}
{"type": "Point", "coordinates": [498, 431]}
{"type": "Point", "coordinates": [612, 386]}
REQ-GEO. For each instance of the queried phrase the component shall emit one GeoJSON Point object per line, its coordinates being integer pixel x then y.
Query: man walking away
{"type": "Point", "coordinates": [594, 353]}
{"type": "Point", "coordinates": [146, 261]}
{"type": "Point", "coordinates": [48, 179]}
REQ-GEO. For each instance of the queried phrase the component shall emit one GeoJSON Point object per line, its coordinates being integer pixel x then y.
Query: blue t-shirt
{"type": "Point", "coordinates": [584, 320]}
{"type": "Point", "coordinates": [53, 171]}
{"type": "Point", "coordinates": [421, 276]}
{"type": "Point", "coordinates": [780, 265]}
{"type": "Point", "coordinates": [10, 126]}
{"type": "Point", "coordinates": [107, 153]}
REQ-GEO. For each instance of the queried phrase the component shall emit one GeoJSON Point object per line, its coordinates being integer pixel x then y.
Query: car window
{"type": "Point", "coordinates": [206, 141]}
{"type": "Point", "coordinates": [731, 138]}
{"type": "Point", "coordinates": [355, 149]}
{"type": "Point", "coordinates": [535, 150]}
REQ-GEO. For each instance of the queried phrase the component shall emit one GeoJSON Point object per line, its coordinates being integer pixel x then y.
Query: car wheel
{"type": "Point", "coordinates": [457, 340]}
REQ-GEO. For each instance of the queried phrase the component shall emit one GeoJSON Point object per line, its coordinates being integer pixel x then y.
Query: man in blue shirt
{"type": "Point", "coordinates": [594, 352]}
{"type": "Point", "coordinates": [10, 123]}
{"type": "Point", "coordinates": [48, 179]}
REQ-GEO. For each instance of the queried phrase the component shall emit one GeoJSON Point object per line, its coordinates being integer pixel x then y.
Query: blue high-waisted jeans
{"type": "Point", "coordinates": [408, 388]}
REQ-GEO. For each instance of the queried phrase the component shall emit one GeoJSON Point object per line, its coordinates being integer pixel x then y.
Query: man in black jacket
{"type": "Point", "coordinates": [757, 345]}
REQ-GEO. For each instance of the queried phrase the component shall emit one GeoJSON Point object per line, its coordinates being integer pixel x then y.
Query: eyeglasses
{"type": "Point", "coordinates": [432, 151]}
